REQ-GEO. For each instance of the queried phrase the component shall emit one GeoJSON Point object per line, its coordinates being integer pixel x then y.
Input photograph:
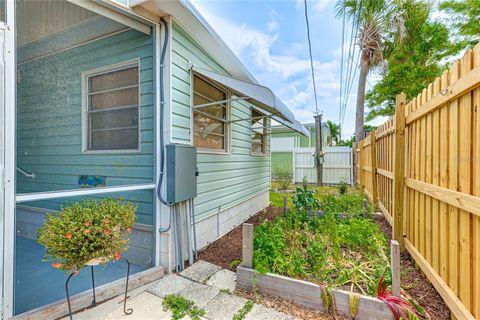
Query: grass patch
{"type": "Point", "coordinates": [341, 248]}
{"type": "Point", "coordinates": [181, 307]}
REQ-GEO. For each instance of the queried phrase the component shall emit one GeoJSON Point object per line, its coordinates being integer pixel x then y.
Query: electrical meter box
{"type": "Point", "coordinates": [181, 172]}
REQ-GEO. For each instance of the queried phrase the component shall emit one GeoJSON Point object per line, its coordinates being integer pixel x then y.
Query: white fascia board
{"type": "Point", "coordinates": [108, 12]}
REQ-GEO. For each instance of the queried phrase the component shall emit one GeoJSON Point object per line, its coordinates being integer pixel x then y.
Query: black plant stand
{"type": "Point", "coordinates": [94, 302]}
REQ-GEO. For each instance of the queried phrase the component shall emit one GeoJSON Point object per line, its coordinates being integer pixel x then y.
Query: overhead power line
{"type": "Point", "coordinates": [311, 57]}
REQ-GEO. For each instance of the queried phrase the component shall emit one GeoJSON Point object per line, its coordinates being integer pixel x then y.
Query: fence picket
{"type": "Point", "coordinates": [437, 171]}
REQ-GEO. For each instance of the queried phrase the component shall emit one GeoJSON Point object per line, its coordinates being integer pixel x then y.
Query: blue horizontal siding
{"type": "Point", "coordinates": [224, 180]}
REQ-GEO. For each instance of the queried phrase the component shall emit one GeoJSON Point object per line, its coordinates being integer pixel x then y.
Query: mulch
{"type": "Point", "coordinates": [227, 253]}
{"type": "Point", "coordinates": [415, 283]}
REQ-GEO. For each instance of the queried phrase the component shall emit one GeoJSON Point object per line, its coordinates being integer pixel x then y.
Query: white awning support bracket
{"type": "Point", "coordinates": [263, 98]}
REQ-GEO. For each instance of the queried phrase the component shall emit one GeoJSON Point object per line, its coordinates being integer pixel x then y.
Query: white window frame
{"type": "Point", "coordinates": [264, 135]}
{"type": "Point", "coordinates": [85, 128]}
{"type": "Point", "coordinates": [228, 95]}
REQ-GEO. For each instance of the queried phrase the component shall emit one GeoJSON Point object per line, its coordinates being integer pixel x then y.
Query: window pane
{"type": "Point", "coordinates": [257, 143]}
{"type": "Point", "coordinates": [114, 119]}
{"type": "Point", "coordinates": [206, 141]}
{"type": "Point", "coordinates": [209, 129]}
{"type": "Point", "coordinates": [208, 90]}
{"type": "Point", "coordinates": [124, 97]}
{"type": "Point", "coordinates": [114, 79]}
{"type": "Point", "coordinates": [114, 140]}
{"type": "Point", "coordinates": [215, 111]}
{"type": "Point", "coordinates": [258, 132]}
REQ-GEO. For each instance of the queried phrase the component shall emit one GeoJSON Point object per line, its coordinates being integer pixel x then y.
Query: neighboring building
{"type": "Point", "coordinates": [284, 140]}
{"type": "Point", "coordinates": [93, 91]}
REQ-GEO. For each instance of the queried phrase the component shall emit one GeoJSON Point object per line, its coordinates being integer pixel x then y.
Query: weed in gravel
{"type": "Point", "coordinates": [181, 307]}
{"type": "Point", "coordinates": [240, 314]}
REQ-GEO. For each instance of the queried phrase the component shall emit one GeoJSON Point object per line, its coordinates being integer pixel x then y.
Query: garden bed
{"type": "Point", "coordinates": [227, 253]}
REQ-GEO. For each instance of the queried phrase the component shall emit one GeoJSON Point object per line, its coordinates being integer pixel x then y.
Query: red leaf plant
{"type": "Point", "coordinates": [399, 306]}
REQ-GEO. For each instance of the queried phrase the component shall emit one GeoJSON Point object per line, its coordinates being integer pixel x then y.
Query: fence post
{"type": "Point", "coordinates": [395, 267]}
{"type": "Point", "coordinates": [247, 245]}
{"type": "Point", "coordinates": [399, 170]}
{"type": "Point", "coordinates": [360, 165]}
{"type": "Point", "coordinates": [373, 150]}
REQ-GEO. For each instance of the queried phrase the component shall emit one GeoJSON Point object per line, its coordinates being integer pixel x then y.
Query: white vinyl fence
{"type": "Point", "coordinates": [337, 165]}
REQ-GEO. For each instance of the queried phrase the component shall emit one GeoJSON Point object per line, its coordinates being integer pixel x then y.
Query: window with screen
{"type": "Point", "coordinates": [210, 119]}
{"type": "Point", "coordinates": [259, 124]}
{"type": "Point", "coordinates": [112, 113]}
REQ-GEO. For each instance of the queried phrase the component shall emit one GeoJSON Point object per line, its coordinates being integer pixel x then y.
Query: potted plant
{"type": "Point", "coordinates": [89, 232]}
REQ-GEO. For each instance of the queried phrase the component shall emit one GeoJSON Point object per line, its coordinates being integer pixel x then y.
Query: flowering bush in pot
{"type": "Point", "coordinates": [89, 232]}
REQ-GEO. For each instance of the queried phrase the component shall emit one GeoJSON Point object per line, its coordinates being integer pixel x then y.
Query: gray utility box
{"type": "Point", "coordinates": [181, 172]}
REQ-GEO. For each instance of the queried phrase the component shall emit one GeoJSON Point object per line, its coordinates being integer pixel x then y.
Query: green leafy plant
{"type": "Point", "coordinates": [342, 187]}
{"type": "Point", "coordinates": [283, 176]}
{"type": "Point", "coordinates": [304, 200]}
{"type": "Point", "coordinates": [234, 264]}
{"type": "Point", "coordinates": [181, 307]}
{"type": "Point", "coordinates": [240, 314]}
{"type": "Point", "coordinates": [90, 231]}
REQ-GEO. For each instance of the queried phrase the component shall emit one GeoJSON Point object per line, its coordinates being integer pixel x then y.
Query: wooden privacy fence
{"type": "Point", "coordinates": [422, 168]}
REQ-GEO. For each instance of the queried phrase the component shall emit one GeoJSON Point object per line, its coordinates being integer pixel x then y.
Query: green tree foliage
{"type": "Point", "coordinates": [372, 19]}
{"type": "Point", "coordinates": [464, 17]}
{"type": "Point", "coordinates": [413, 56]}
{"type": "Point", "coordinates": [334, 130]}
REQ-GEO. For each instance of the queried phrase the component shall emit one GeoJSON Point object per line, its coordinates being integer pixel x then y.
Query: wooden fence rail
{"type": "Point", "coordinates": [422, 168]}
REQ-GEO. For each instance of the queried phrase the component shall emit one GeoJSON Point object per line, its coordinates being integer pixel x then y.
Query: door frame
{"type": "Point", "coordinates": [8, 258]}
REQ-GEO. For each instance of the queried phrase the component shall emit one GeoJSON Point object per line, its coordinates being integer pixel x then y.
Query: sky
{"type": "Point", "coordinates": [270, 38]}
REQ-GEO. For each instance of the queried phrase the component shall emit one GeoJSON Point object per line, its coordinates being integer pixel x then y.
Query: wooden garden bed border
{"type": "Point", "coordinates": [309, 294]}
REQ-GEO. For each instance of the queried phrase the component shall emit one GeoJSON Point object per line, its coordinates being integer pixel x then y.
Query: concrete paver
{"type": "Point", "coordinates": [146, 306]}
{"type": "Point", "coordinates": [200, 271]}
{"type": "Point", "coordinates": [146, 301]}
{"type": "Point", "coordinates": [224, 306]}
{"type": "Point", "coordinates": [223, 280]}
{"type": "Point", "coordinates": [170, 284]}
{"type": "Point", "coordinates": [200, 294]}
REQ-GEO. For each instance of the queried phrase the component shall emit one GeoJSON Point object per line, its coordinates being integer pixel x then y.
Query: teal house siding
{"type": "Point", "coordinates": [225, 179]}
{"type": "Point", "coordinates": [49, 134]}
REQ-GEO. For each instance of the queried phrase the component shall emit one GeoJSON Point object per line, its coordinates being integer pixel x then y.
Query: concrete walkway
{"type": "Point", "coordinates": [207, 285]}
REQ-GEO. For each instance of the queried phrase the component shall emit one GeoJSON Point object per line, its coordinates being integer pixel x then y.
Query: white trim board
{"type": "Point", "coordinates": [26, 197]}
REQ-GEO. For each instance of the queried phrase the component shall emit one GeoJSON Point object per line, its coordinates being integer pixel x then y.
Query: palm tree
{"type": "Point", "coordinates": [371, 19]}
{"type": "Point", "coordinates": [334, 130]}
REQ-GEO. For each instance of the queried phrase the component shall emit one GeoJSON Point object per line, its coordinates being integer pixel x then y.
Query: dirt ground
{"type": "Point", "coordinates": [227, 253]}
{"type": "Point", "coordinates": [414, 282]}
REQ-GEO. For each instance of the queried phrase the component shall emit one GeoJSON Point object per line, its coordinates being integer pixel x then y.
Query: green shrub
{"type": "Point", "coordinates": [283, 176]}
{"type": "Point", "coordinates": [304, 200]}
{"type": "Point", "coordinates": [87, 230]}
{"type": "Point", "coordinates": [342, 187]}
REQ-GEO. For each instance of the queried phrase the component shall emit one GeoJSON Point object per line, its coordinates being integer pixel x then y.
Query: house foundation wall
{"type": "Point", "coordinates": [211, 228]}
